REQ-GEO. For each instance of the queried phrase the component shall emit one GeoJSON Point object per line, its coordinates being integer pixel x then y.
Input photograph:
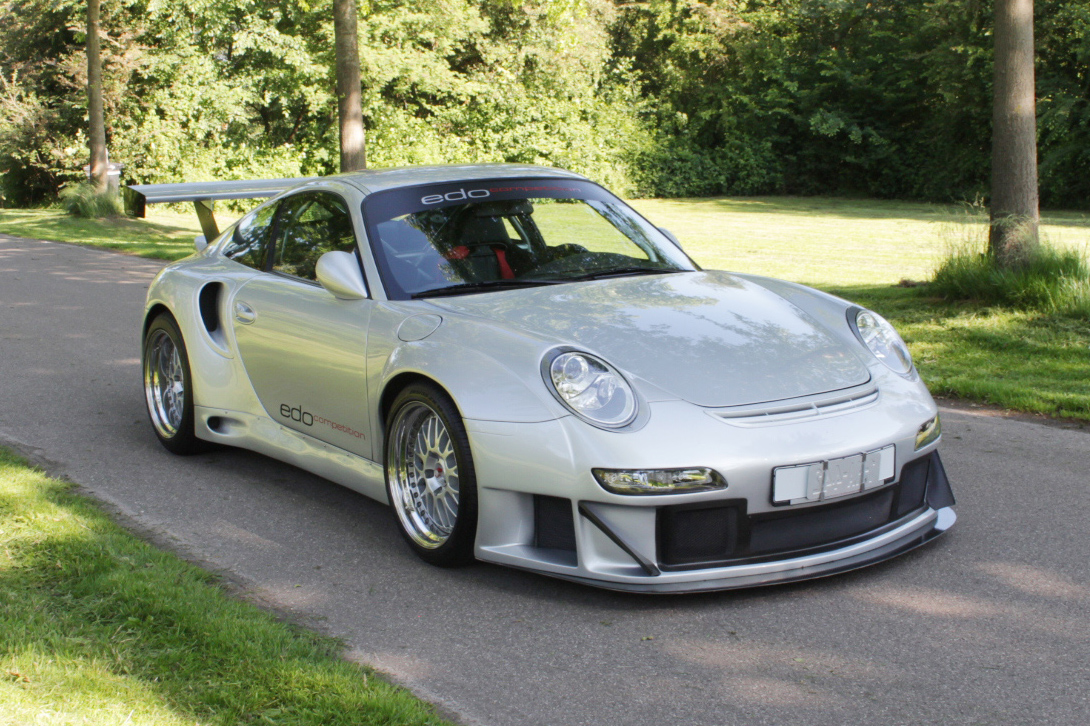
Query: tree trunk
{"type": "Point", "coordinates": [96, 132]}
{"type": "Point", "coordinates": [349, 108]}
{"type": "Point", "coordinates": [1014, 202]}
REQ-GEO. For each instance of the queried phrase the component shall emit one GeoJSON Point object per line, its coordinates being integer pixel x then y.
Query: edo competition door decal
{"type": "Point", "coordinates": [299, 415]}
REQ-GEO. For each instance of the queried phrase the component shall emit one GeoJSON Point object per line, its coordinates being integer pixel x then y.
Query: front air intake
{"type": "Point", "coordinates": [690, 535]}
{"type": "Point", "coordinates": [554, 523]}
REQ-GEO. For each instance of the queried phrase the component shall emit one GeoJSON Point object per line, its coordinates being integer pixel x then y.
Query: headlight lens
{"type": "Point", "coordinates": [660, 481]}
{"type": "Point", "coordinates": [883, 341]}
{"type": "Point", "coordinates": [929, 432]}
{"type": "Point", "coordinates": [592, 389]}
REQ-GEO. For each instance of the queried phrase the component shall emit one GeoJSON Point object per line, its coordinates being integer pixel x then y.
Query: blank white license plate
{"type": "Point", "coordinates": [823, 480]}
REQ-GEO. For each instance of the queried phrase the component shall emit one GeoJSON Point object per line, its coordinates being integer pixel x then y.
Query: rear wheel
{"type": "Point", "coordinates": [430, 477]}
{"type": "Point", "coordinates": [168, 387]}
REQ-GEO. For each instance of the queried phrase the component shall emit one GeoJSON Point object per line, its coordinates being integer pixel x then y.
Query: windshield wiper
{"type": "Point", "coordinates": [621, 271]}
{"type": "Point", "coordinates": [468, 287]}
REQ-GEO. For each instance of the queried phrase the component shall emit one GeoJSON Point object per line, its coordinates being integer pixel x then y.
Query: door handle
{"type": "Point", "coordinates": [244, 313]}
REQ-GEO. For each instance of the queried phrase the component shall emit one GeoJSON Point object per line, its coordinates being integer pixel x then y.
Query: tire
{"type": "Point", "coordinates": [430, 477]}
{"type": "Point", "coordinates": [168, 387]}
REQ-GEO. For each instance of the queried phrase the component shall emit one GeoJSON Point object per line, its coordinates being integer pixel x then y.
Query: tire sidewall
{"type": "Point", "coordinates": [458, 549]}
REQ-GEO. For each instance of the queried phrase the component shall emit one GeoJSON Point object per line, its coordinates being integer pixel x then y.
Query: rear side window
{"type": "Point", "coordinates": [249, 243]}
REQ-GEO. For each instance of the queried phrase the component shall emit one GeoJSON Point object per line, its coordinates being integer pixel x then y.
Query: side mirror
{"type": "Point", "coordinates": [200, 242]}
{"type": "Point", "coordinates": [670, 236]}
{"type": "Point", "coordinates": [339, 273]}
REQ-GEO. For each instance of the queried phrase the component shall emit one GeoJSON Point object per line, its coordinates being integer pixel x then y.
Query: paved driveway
{"type": "Point", "coordinates": [989, 625]}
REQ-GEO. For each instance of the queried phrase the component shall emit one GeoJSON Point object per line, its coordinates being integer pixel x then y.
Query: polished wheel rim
{"type": "Point", "coordinates": [164, 383]}
{"type": "Point", "coordinates": [423, 475]}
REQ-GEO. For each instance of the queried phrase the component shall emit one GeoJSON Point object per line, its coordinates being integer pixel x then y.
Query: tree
{"type": "Point", "coordinates": [349, 108]}
{"type": "Point", "coordinates": [96, 132]}
{"type": "Point", "coordinates": [1014, 201]}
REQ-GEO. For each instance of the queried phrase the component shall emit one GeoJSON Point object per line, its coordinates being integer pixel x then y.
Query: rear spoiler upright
{"type": "Point", "coordinates": [204, 195]}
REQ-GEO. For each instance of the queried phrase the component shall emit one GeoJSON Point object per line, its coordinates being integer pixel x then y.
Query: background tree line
{"type": "Point", "coordinates": [661, 97]}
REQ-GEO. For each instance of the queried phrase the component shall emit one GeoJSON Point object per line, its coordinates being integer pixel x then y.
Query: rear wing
{"type": "Point", "coordinates": [204, 195]}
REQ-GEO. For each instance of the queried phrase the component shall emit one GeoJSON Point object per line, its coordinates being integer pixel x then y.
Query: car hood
{"type": "Point", "coordinates": [710, 338]}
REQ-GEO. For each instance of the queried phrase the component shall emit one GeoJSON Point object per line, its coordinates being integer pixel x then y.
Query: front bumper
{"type": "Point", "coordinates": [549, 519]}
{"type": "Point", "coordinates": [917, 531]}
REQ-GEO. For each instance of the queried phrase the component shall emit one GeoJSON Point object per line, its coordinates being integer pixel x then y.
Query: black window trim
{"type": "Point", "coordinates": [274, 229]}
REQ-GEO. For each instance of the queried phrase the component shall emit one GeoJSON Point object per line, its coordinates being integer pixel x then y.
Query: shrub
{"type": "Point", "coordinates": [1050, 280]}
{"type": "Point", "coordinates": [83, 200]}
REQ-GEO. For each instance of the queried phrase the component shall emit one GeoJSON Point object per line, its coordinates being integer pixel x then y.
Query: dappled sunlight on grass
{"type": "Point", "coordinates": [163, 234]}
{"type": "Point", "coordinates": [98, 627]}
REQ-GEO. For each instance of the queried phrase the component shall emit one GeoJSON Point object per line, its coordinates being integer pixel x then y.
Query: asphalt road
{"type": "Point", "coordinates": [988, 625]}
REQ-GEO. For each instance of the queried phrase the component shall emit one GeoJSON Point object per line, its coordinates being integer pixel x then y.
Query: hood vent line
{"type": "Point", "coordinates": [817, 407]}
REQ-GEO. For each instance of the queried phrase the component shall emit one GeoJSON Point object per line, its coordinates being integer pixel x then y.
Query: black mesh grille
{"type": "Point", "coordinates": [554, 526]}
{"type": "Point", "coordinates": [913, 486]}
{"type": "Point", "coordinates": [820, 525]}
{"type": "Point", "coordinates": [690, 535]}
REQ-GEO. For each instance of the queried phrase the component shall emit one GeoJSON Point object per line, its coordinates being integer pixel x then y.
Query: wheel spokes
{"type": "Point", "coordinates": [424, 474]}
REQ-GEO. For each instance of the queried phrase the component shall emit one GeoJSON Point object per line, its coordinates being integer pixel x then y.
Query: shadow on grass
{"type": "Point", "coordinates": [835, 207]}
{"type": "Point", "coordinates": [1065, 219]}
{"type": "Point", "coordinates": [144, 238]}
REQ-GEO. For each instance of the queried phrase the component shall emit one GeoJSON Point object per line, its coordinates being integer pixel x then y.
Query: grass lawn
{"type": "Point", "coordinates": [164, 234]}
{"type": "Point", "coordinates": [859, 249]}
{"type": "Point", "coordinates": [97, 627]}
{"type": "Point", "coordinates": [826, 242]}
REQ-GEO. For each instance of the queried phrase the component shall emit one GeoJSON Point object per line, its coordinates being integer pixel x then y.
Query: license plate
{"type": "Point", "coordinates": [831, 479]}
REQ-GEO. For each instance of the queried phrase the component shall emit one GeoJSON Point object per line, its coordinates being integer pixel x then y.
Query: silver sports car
{"type": "Point", "coordinates": [533, 375]}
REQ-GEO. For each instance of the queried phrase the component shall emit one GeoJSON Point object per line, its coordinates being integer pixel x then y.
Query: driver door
{"type": "Point", "coordinates": [305, 350]}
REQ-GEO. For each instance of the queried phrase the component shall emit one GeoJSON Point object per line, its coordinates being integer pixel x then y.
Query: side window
{"type": "Point", "coordinates": [311, 224]}
{"type": "Point", "coordinates": [249, 242]}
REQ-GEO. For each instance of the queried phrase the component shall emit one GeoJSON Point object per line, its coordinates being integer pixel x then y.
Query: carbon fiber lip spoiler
{"type": "Point", "coordinates": [204, 195]}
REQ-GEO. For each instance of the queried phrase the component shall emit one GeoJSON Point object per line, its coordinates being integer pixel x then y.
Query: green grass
{"type": "Point", "coordinates": [97, 627]}
{"type": "Point", "coordinates": [1047, 280]}
{"type": "Point", "coordinates": [825, 241]}
{"type": "Point", "coordinates": [162, 235]}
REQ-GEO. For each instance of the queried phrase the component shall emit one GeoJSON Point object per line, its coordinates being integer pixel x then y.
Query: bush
{"type": "Point", "coordinates": [1051, 280]}
{"type": "Point", "coordinates": [83, 200]}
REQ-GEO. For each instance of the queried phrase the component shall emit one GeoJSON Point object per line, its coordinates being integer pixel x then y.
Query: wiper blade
{"type": "Point", "coordinates": [468, 287]}
{"type": "Point", "coordinates": [621, 271]}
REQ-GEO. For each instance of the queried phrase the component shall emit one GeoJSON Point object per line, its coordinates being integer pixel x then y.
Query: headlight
{"type": "Point", "coordinates": [660, 481]}
{"type": "Point", "coordinates": [591, 388]}
{"type": "Point", "coordinates": [881, 340]}
{"type": "Point", "coordinates": [930, 431]}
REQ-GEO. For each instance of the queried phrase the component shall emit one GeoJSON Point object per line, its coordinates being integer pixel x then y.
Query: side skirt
{"type": "Point", "coordinates": [265, 436]}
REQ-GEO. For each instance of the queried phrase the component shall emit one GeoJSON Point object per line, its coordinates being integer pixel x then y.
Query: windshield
{"type": "Point", "coordinates": [473, 236]}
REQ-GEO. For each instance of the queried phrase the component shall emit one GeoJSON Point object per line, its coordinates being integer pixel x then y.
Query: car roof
{"type": "Point", "coordinates": [377, 180]}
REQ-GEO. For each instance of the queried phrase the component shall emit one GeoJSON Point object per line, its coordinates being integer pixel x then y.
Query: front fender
{"type": "Point", "coordinates": [503, 384]}
{"type": "Point", "coordinates": [483, 388]}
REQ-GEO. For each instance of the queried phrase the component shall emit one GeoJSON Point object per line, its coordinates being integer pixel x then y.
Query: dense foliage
{"type": "Point", "coordinates": [661, 97]}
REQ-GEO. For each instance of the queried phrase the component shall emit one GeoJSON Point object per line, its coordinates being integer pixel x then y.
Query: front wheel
{"type": "Point", "coordinates": [429, 476]}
